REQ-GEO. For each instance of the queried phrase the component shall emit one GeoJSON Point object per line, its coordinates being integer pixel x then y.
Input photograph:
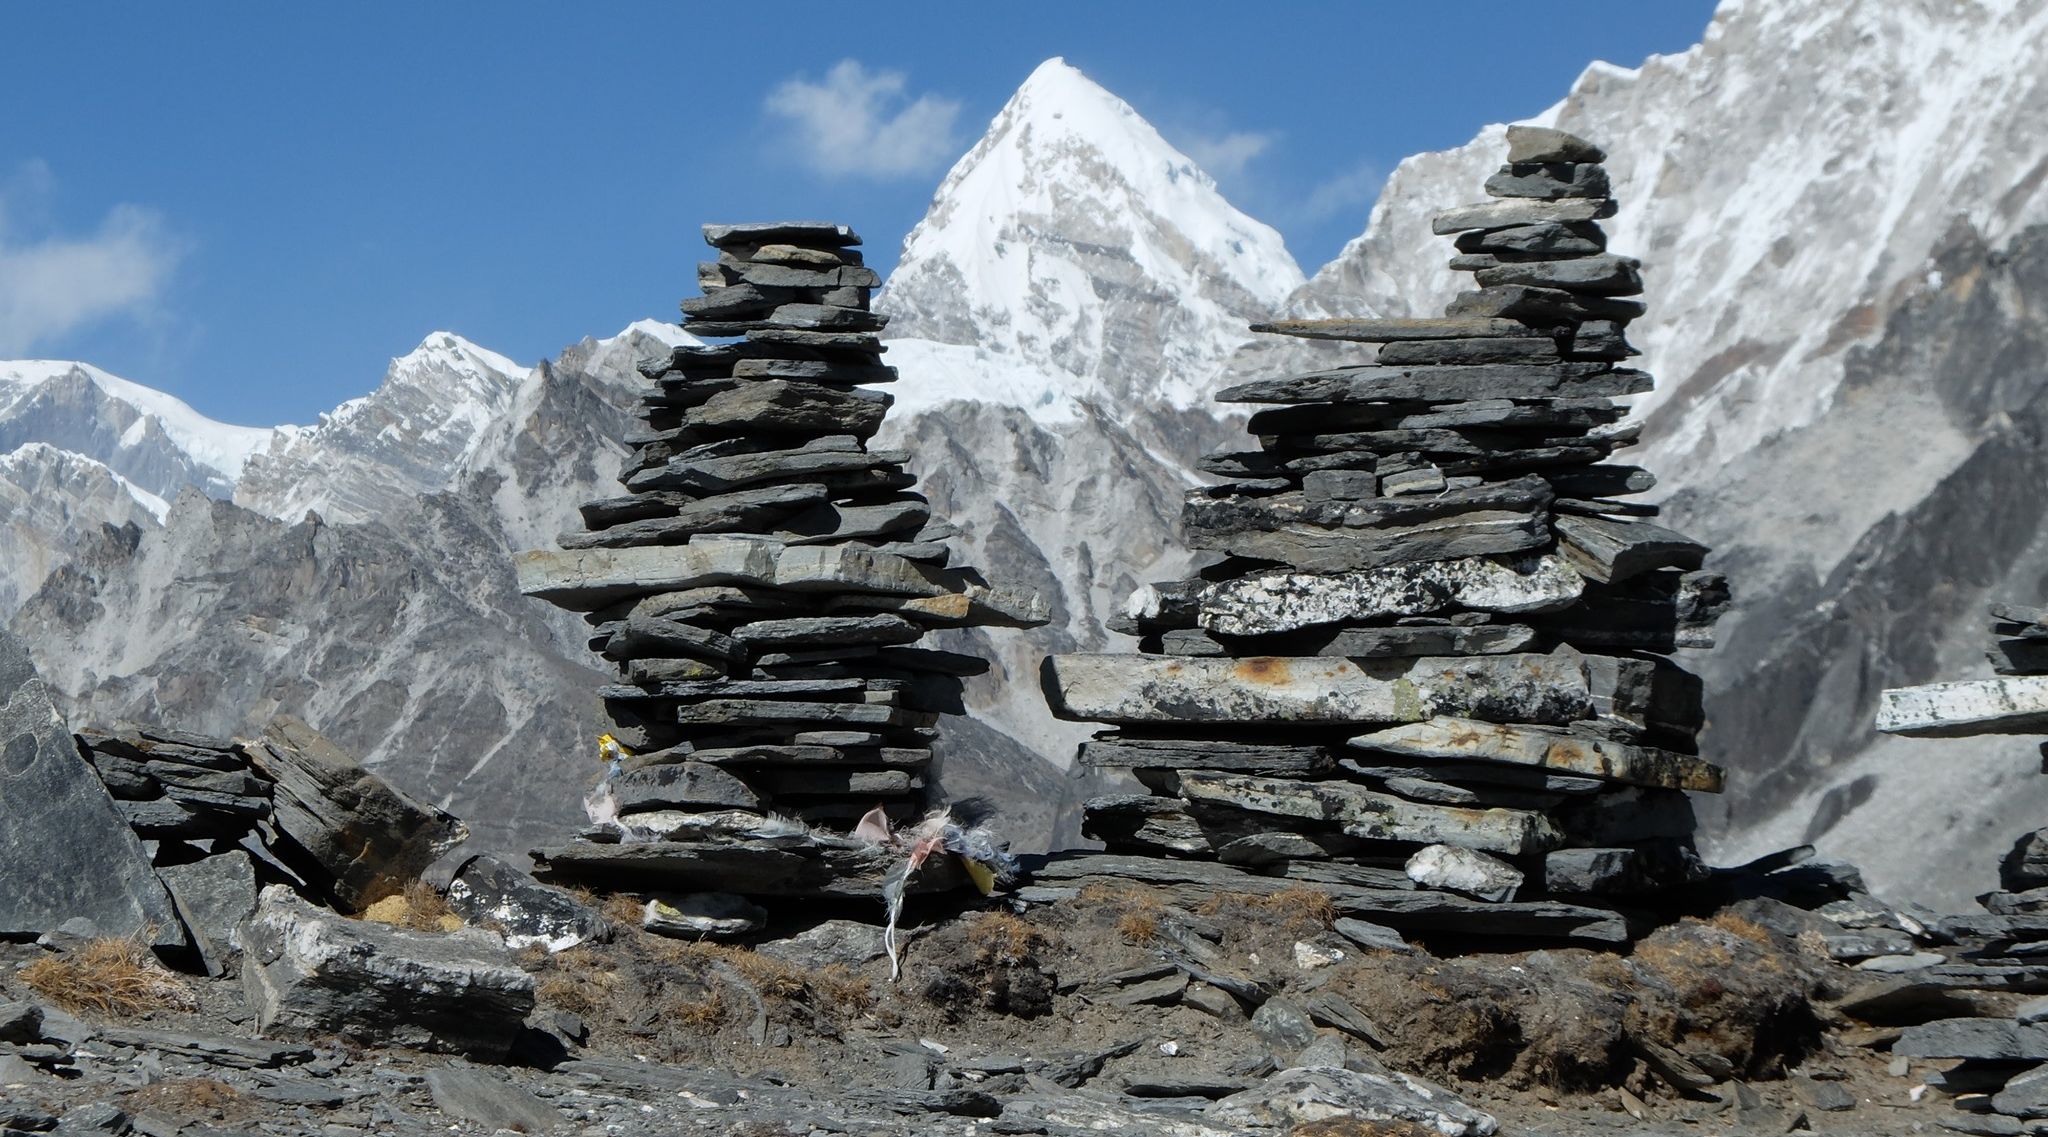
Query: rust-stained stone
{"type": "Point", "coordinates": [1461, 738]}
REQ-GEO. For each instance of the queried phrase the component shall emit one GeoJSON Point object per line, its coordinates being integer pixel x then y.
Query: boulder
{"type": "Point", "coordinates": [485, 890]}
{"type": "Point", "coordinates": [65, 850]}
{"type": "Point", "coordinates": [1464, 870]}
{"type": "Point", "coordinates": [307, 972]}
{"type": "Point", "coordinates": [349, 830]}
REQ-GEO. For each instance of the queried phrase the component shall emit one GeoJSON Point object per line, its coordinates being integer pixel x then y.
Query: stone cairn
{"type": "Point", "coordinates": [1429, 673]}
{"type": "Point", "coordinates": [762, 588]}
{"type": "Point", "coordinates": [2003, 1075]}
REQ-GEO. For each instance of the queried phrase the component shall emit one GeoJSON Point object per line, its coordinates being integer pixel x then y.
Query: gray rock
{"type": "Point", "coordinates": [1457, 738]}
{"type": "Point", "coordinates": [1327, 1009]}
{"type": "Point", "coordinates": [485, 890]}
{"type": "Point", "coordinates": [703, 915]}
{"type": "Point", "coordinates": [1604, 275]}
{"type": "Point", "coordinates": [1497, 349]}
{"type": "Point", "coordinates": [1622, 871]}
{"type": "Point", "coordinates": [694, 784]}
{"type": "Point", "coordinates": [1901, 964]}
{"type": "Point", "coordinates": [21, 1023]}
{"type": "Point", "coordinates": [360, 838]}
{"type": "Point", "coordinates": [309, 972]}
{"type": "Point", "coordinates": [1548, 144]}
{"type": "Point", "coordinates": [1975, 1038]}
{"type": "Point", "coordinates": [1549, 181]}
{"type": "Point", "coordinates": [748, 510]}
{"type": "Point", "coordinates": [1273, 602]}
{"type": "Point", "coordinates": [1283, 1026]}
{"type": "Point", "coordinates": [816, 867]}
{"type": "Point", "coordinates": [825, 234]}
{"type": "Point", "coordinates": [1521, 211]}
{"type": "Point", "coordinates": [1340, 536]}
{"type": "Point", "coordinates": [2026, 1095]}
{"type": "Point", "coordinates": [779, 406]}
{"type": "Point", "coordinates": [2032, 1011]}
{"type": "Point", "coordinates": [1464, 870]}
{"type": "Point", "coordinates": [807, 631]}
{"type": "Point", "coordinates": [841, 943]}
{"type": "Point", "coordinates": [1109, 751]}
{"type": "Point", "coordinates": [1539, 241]}
{"type": "Point", "coordinates": [1371, 937]}
{"type": "Point", "coordinates": [469, 1094]}
{"type": "Point", "coordinates": [1302, 1095]}
{"type": "Point", "coordinates": [16, 1072]}
{"type": "Point", "coordinates": [1390, 331]}
{"type": "Point", "coordinates": [1608, 550]}
{"type": "Point", "coordinates": [213, 895]}
{"type": "Point", "coordinates": [2015, 704]}
{"type": "Point", "coordinates": [1527, 302]}
{"type": "Point", "coordinates": [65, 849]}
{"type": "Point", "coordinates": [1550, 689]}
{"type": "Point", "coordinates": [1370, 383]}
{"type": "Point", "coordinates": [1361, 812]}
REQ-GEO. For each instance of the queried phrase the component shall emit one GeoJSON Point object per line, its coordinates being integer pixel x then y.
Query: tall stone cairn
{"type": "Point", "coordinates": [763, 588]}
{"type": "Point", "coordinates": [2000, 948]}
{"type": "Point", "coordinates": [1429, 671]}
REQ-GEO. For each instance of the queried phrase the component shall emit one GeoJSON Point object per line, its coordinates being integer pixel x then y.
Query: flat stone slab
{"type": "Point", "coordinates": [1461, 738]}
{"type": "Point", "coordinates": [1375, 816]}
{"type": "Point", "coordinates": [1273, 602]}
{"type": "Point", "coordinates": [1529, 688]}
{"type": "Point", "coordinates": [585, 580]}
{"type": "Point", "coordinates": [1989, 1039]}
{"type": "Point", "coordinates": [814, 868]}
{"type": "Point", "coordinates": [2016, 704]}
{"type": "Point", "coordinates": [1446, 384]}
{"type": "Point", "coordinates": [1391, 331]}
{"type": "Point", "coordinates": [1519, 211]}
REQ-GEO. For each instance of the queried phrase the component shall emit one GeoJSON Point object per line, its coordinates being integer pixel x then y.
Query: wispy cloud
{"type": "Point", "coordinates": [1225, 156]}
{"type": "Point", "coordinates": [52, 283]}
{"type": "Point", "coordinates": [1348, 191]}
{"type": "Point", "coordinates": [865, 124]}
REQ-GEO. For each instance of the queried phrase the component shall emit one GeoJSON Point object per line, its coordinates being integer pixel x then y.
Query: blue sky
{"type": "Point", "coordinates": [255, 206]}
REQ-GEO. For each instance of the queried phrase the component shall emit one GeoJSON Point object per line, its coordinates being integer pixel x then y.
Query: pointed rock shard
{"type": "Point", "coordinates": [65, 850]}
{"type": "Point", "coordinates": [1267, 689]}
{"type": "Point", "coordinates": [1462, 739]}
{"type": "Point", "coordinates": [2011, 705]}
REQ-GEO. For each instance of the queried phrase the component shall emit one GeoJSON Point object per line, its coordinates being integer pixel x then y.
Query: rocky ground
{"type": "Point", "coordinates": [1112, 1012]}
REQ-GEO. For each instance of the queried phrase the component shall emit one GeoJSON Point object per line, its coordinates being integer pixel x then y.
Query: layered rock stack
{"type": "Point", "coordinates": [1428, 672]}
{"type": "Point", "coordinates": [763, 588]}
{"type": "Point", "coordinates": [2002, 1080]}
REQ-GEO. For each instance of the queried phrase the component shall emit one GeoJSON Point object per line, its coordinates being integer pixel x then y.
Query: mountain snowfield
{"type": "Point", "coordinates": [1840, 212]}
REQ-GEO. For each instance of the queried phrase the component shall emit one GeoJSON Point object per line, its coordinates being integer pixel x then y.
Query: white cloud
{"type": "Point", "coordinates": [1225, 157]}
{"type": "Point", "coordinates": [863, 123]}
{"type": "Point", "coordinates": [51, 283]}
{"type": "Point", "coordinates": [1352, 190]}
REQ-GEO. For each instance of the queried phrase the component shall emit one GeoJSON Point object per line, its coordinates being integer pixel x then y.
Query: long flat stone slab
{"type": "Point", "coordinates": [1375, 816]}
{"type": "Point", "coordinates": [1390, 331]}
{"type": "Point", "coordinates": [2015, 704]}
{"type": "Point", "coordinates": [1466, 739]}
{"type": "Point", "coordinates": [1443, 384]}
{"type": "Point", "coordinates": [755, 868]}
{"type": "Point", "coordinates": [1273, 602]}
{"type": "Point", "coordinates": [585, 580]}
{"type": "Point", "coordinates": [1523, 687]}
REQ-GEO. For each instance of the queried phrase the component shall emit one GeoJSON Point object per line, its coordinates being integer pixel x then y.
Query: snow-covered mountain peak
{"type": "Point", "coordinates": [1075, 238]}
{"type": "Point", "coordinates": [128, 408]}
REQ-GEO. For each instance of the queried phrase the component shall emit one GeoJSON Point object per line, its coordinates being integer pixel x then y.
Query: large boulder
{"type": "Point", "coordinates": [65, 850]}
{"type": "Point", "coordinates": [347, 829]}
{"type": "Point", "coordinates": [307, 971]}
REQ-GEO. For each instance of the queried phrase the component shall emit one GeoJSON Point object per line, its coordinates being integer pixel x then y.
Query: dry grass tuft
{"type": "Point", "coordinates": [576, 980]}
{"type": "Point", "coordinates": [1138, 910]}
{"type": "Point", "coordinates": [704, 1011]}
{"type": "Point", "coordinates": [1360, 1127]}
{"type": "Point", "coordinates": [1742, 926]}
{"type": "Point", "coordinates": [109, 975]}
{"type": "Point", "coordinates": [1002, 939]}
{"type": "Point", "coordinates": [417, 907]}
{"type": "Point", "coordinates": [622, 909]}
{"type": "Point", "coordinates": [1294, 907]}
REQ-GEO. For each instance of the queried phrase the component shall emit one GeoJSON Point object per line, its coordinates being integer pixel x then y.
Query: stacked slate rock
{"type": "Point", "coordinates": [1999, 1083]}
{"type": "Point", "coordinates": [763, 587]}
{"type": "Point", "coordinates": [1429, 671]}
{"type": "Point", "coordinates": [173, 785]}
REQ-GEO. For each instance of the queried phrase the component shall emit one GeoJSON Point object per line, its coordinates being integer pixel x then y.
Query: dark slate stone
{"type": "Point", "coordinates": [214, 895]}
{"type": "Point", "coordinates": [1548, 144]}
{"type": "Point", "coordinates": [1613, 551]}
{"type": "Point", "coordinates": [1502, 349]}
{"type": "Point", "coordinates": [1114, 752]}
{"type": "Point", "coordinates": [65, 850]}
{"type": "Point", "coordinates": [1370, 384]}
{"type": "Point", "coordinates": [1526, 302]}
{"type": "Point", "coordinates": [1549, 181]}
{"type": "Point", "coordinates": [1546, 240]}
{"type": "Point", "coordinates": [1999, 1039]}
{"type": "Point", "coordinates": [486, 890]}
{"type": "Point", "coordinates": [1605, 275]}
{"type": "Point", "coordinates": [473, 1094]}
{"type": "Point", "coordinates": [823, 234]}
{"type": "Point", "coordinates": [779, 406]}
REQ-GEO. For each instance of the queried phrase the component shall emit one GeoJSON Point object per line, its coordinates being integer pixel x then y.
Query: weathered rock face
{"type": "Point", "coordinates": [308, 972]}
{"type": "Point", "coordinates": [360, 839]}
{"type": "Point", "coordinates": [62, 830]}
